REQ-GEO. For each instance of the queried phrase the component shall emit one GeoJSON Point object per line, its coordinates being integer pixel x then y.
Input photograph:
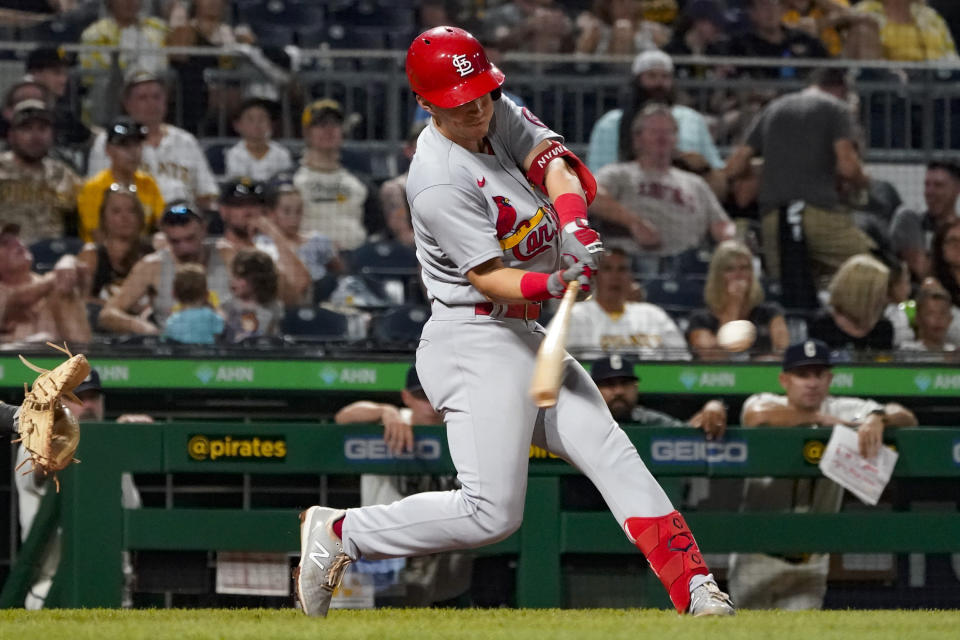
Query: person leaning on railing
{"type": "Point", "coordinates": [798, 580]}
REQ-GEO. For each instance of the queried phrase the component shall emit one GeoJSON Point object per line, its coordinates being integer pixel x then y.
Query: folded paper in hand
{"type": "Point", "coordinates": [864, 478]}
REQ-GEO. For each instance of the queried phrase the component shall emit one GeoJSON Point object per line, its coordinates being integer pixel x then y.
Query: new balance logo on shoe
{"type": "Point", "coordinates": [316, 556]}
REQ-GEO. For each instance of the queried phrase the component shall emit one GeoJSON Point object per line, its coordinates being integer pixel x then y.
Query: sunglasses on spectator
{"type": "Point", "coordinates": [179, 215]}
{"type": "Point", "coordinates": [116, 187]}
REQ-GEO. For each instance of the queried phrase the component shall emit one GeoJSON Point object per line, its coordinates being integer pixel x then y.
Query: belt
{"type": "Point", "coordinates": [529, 311]}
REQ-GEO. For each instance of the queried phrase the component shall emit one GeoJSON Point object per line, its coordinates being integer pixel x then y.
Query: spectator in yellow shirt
{"type": "Point", "coordinates": [124, 147]}
{"type": "Point", "coordinates": [909, 30]}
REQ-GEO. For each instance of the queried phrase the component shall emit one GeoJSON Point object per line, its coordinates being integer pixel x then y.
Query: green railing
{"type": "Point", "coordinates": [96, 528]}
{"type": "Point", "coordinates": [204, 375]}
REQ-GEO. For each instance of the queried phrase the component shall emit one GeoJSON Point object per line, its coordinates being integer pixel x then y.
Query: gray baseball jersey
{"type": "Point", "coordinates": [467, 209]}
{"type": "Point", "coordinates": [470, 207]}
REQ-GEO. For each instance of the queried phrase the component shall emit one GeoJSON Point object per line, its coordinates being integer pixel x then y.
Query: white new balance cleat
{"type": "Point", "coordinates": [708, 600]}
{"type": "Point", "coordinates": [322, 560]}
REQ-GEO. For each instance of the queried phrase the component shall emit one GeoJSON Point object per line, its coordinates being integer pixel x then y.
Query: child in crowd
{"type": "Point", "coordinates": [194, 322]}
{"type": "Point", "coordinates": [256, 156]}
{"type": "Point", "coordinates": [254, 308]}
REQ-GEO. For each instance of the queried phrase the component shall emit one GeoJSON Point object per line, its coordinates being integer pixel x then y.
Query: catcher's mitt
{"type": "Point", "coordinates": [48, 430]}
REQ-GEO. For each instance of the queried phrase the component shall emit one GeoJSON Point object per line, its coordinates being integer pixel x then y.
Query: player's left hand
{"type": "Point", "coordinates": [870, 436]}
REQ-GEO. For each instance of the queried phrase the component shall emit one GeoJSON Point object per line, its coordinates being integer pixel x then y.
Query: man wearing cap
{"type": "Point", "coordinates": [32, 487]}
{"type": "Point", "coordinates": [171, 155]}
{"type": "Point", "coordinates": [799, 580]}
{"type": "Point", "coordinates": [124, 147]}
{"type": "Point", "coordinates": [50, 67]}
{"type": "Point", "coordinates": [243, 209]}
{"type": "Point", "coordinates": [617, 380]}
{"type": "Point", "coordinates": [38, 308]}
{"type": "Point", "coordinates": [257, 155]}
{"type": "Point", "coordinates": [652, 81]}
{"type": "Point", "coordinates": [432, 578]}
{"type": "Point", "coordinates": [337, 203]}
{"type": "Point", "coordinates": [38, 192]}
{"type": "Point", "coordinates": [151, 278]}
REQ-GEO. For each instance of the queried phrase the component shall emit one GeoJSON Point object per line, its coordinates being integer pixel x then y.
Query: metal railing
{"type": "Point", "coordinates": [907, 108]}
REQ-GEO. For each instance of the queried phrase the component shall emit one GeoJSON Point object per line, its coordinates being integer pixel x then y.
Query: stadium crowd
{"type": "Point", "coordinates": [120, 217]}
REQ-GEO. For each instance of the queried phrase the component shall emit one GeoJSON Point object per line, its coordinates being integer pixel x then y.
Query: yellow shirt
{"type": "Point", "coordinates": [829, 36]}
{"type": "Point", "coordinates": [926, 38]}
{"type": "Point", "coordinates": [91, 197]}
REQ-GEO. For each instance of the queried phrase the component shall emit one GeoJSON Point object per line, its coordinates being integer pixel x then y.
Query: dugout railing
{"type": "Point", "coordinates": [96, 528]}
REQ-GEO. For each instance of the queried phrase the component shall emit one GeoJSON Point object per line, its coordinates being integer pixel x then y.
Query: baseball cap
{"type": "Point", "coordinates": [808, 352]}
{"type": "Point", "coordinates": [314, 112]}
{"type": "Point", "coordinates": [613, 366]}
{"type": "Point", "coordinates": [650, 60]}
{"type": "Point", "coordinates": [179, 214]}
{"type": "Point", "coordinates": [46, 58]}
{"type": "Point", "coordinates": [90, 383]}
{"type": "Point", "coordinates": [242, 191]}
{"type": "Point", "coordinates": [413, 380]}
{"type": "Point", "coordinates": [137, 76]}
{"type": "Point", "coordinates": [124, 129]}
{"type": "Point", "coordinates": [27, 110]}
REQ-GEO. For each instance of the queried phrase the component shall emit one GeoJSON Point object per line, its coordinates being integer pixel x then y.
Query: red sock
{"type": "Point", "coordinates": [338, 528]}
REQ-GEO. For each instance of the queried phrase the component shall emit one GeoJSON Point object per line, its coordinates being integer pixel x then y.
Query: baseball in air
{"type": "Point", "coordinates": [738, 335]}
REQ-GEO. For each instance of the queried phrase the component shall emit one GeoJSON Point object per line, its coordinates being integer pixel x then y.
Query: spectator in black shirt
{"type": "Point", "coordinates": [854, 319]}
{"type": "Point", "coordinates": [733, 292]}
{"type": "Point", "coordinates": [768, 38]}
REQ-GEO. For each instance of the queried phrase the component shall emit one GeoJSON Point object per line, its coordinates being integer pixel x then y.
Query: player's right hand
{"type": "Point", "coordinates": [558, 280]}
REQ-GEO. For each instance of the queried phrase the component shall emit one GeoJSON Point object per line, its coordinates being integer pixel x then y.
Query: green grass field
{"type": "Point", "coordinates": [479, 624]}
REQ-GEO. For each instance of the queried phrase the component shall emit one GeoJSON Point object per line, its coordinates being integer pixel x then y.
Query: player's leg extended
{"type": "Point", "coordinates": [476, 374]}
{"type": "Point", "coordinates": [581, 429]}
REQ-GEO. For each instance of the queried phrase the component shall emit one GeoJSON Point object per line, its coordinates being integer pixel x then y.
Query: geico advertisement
{"type": "Point", "coordinates": [374, 449]}
{"type": "Point", "coordinates": [687, 450]}
{"type": "Point", "coordinates": [222, 448]}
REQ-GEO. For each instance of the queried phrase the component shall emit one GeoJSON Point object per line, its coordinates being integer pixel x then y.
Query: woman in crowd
{"type": "Point", "coordinates": [859, 292]}
{"type": "Point", "coordinates": [733, 292]}
{"type": "Point", "coordinates": [619, 26]}
{"type": "Point", "coordinates": [121, 245]}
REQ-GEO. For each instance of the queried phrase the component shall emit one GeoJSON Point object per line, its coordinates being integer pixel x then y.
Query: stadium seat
{"type": "Point", "coordinates": [675, 294]}
{"type": "Point", "coordinates": [316, 324]}
{"type": "Point", "coordinates": [385, 257]}
{"type": "Point", "coordinates": [216, 156]}
{"type": "Point", "coordinates": [47, 252]}
{"type": "Point", "coordinates": [400, 327]}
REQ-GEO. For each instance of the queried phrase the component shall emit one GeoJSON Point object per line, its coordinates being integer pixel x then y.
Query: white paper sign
{"type": "Point", "coordinates": [355, 591]}
{"type": "Point", "coordinates": [843, 464]}
{"type": "Point", "coordinates": [266, 574]}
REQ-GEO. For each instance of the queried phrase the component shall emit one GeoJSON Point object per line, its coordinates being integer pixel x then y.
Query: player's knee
{"type": "Point", "coordinates": [499, 524]}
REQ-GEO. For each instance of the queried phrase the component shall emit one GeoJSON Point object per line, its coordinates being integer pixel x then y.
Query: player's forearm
{"type": "Point", "coordinates": [898, 416]}
{"type": "Point", "coordinates": [361, 412]}
{"type": "Point", "coordinates": [778, 416]}
{"type": "Point", "coordinates": [499, 283]}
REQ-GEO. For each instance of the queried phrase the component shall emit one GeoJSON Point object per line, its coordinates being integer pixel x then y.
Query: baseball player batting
{"type": "Point", "coordinates": [499, 210]}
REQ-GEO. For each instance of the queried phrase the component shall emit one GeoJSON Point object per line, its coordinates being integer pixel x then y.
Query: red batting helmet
{"type": "Point", "coordinates": [448, 67]}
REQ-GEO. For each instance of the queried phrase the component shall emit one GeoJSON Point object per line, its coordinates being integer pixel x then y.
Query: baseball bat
{"type": "Point", "coordinates": [548, 369]}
